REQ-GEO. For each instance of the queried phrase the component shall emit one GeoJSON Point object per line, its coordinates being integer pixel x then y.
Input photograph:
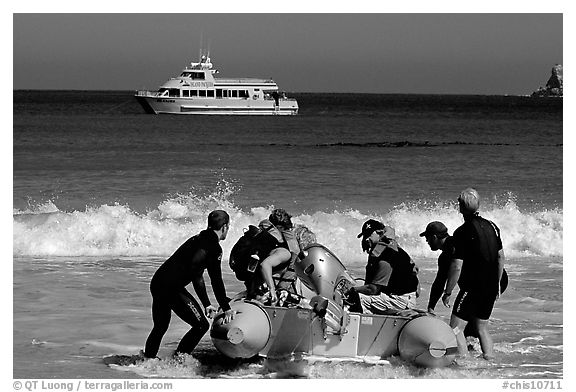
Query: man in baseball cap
{"type": "Point", "coordinates": [435, 228]}
{"type": "Point", "coordinates": [437, 237]}
{"type": "Point", "coordinates": [384, 234]}
{"type": "Point", "coordinates": [370, 226]}
{"type": "Point", "coordinates": [391, 281]}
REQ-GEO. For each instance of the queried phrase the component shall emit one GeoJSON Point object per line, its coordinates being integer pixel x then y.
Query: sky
{"type": "Point", "coordinates": [422, 53]}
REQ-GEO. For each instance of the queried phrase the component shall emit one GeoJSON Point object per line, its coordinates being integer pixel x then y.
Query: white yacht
{"type": "Point", "coordinates": [197, 91]}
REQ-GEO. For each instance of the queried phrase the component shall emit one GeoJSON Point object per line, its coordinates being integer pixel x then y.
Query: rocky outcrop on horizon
{"type": "Point", "coordinates": [554, 86]}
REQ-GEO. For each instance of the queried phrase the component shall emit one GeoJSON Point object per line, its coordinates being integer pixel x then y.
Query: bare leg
{"type": "Point", "coordinates": [458, 325]}
{"type": "Point", "coordinates": [486, 342]}
{"type": "Point", "coordinates": [276, 257]}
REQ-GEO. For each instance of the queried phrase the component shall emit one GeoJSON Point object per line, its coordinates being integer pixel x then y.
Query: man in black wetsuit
{"type": "Point", "coordinates": [185, 266]}
{"type": "Point", "coordinates": [478, 245]}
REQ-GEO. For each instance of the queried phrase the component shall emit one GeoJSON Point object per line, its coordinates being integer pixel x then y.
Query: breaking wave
{"type": "Point", "coordinates": [118, 230]}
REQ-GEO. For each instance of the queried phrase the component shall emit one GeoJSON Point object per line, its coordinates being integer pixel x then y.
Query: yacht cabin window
{"type": "Point", "coordinates": [193, 75]}
{"type": "Point", "coordinates": [169, 92]}
{"type": "Point", "coordinates": [224, 93]}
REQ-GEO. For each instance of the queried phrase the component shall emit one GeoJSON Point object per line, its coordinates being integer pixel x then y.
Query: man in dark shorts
{"type": "Point", "coordinates": [437, 237]}
{"type": "Point", "coordinates": [391, 282]}
{"type": "Point", "coordinates": [478, 245]}
{"type": "Point", "coordinates": [185, 266]}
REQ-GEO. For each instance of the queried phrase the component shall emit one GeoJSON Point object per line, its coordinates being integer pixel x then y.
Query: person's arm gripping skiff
{"type": "Point", "coordinates": [453, 275]}
{"type": "Point", "coordinates": [215, 273]}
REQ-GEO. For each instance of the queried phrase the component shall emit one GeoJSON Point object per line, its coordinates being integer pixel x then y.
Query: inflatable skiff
{"type": "Point", "coordinates": [320, 325]}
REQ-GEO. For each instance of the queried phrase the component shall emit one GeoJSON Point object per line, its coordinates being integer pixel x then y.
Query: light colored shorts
{"type": "Point", "coordinates": [381, 303]}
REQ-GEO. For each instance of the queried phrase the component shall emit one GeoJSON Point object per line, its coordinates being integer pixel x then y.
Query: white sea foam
{"type": "Point", "coordinates": [117, 230]}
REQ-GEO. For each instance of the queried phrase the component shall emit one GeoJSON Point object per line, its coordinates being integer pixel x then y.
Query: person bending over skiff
{"type": "Point", "coordinates": [168, 286]}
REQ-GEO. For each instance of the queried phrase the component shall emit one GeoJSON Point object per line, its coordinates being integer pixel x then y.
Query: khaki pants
{"type": "Point", "coordinates": [381, 303]}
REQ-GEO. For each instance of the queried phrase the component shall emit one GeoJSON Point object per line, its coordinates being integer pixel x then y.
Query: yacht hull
{"type": "Point", "coordinates": [156, 105]}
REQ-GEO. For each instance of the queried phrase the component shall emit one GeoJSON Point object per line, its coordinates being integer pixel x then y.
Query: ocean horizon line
{"type": "Point", "coordinates": [311, 93]}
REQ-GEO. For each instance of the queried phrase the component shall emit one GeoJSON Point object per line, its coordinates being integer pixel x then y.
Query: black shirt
{"type": "Point", "coordinates": [187, 264]}
{"type": "Point", "coordinates": [477, 243]}
{"type": "Point", "coordinates": [392, 270]}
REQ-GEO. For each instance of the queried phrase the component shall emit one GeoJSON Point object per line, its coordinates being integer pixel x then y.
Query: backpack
{"type": "Point", "coordinates": [249, 251]}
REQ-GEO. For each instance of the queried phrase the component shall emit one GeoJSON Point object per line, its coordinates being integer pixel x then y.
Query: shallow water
{"type": "Point", "coordinates": [71, 313]}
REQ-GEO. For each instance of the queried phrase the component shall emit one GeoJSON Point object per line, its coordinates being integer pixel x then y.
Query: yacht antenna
{"type": "Point", "coordinates": [200, 47]}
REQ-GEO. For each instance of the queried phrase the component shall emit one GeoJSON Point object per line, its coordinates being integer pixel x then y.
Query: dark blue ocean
{"type": "Point", "coordinates": [103, 193]}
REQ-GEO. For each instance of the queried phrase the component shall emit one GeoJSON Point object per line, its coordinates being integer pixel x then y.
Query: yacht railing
{"type": "Point", "coordinates": [245, 80]}
{"type": "Point", "coordinates": [146, 93]}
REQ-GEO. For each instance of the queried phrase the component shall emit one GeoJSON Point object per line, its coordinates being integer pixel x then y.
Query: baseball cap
{"type": "Point", "coordinates": [437, 228]}
{"type": "Point", "coordinates": [370, 226]}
